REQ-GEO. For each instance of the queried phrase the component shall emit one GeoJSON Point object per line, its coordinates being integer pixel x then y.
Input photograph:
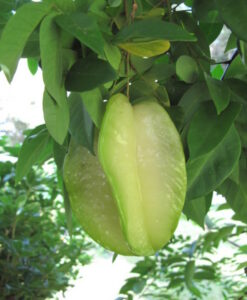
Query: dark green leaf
{"type": "Point", "coordinates": [16, 34]}
{"type": "Point", "coordinates": [219, 92]}
{"type": "Point", "coordinates": [151, 30]}
{"type": "Point", "coordinates": [59, 152]}
{"type": "Point", "coordinates": [192, 98]}
{"type": "Point", "coordinates": [197, 209]}
{"type": "Point", "coordinates": [94, 105]}
{"type": "Point", "coordinates": [238, 88]}
{"type": "Point", "coordinates": [236, 195]}
{"type": "Point", "coordinates": [51, 58]}
{"type": "Point", "coordinates": [81, 125]}
{"type": "Point", "coordinates": [88, 74]}
{"type": "Point", "coordinates": [7, 5]}
{"type": "Point", "coordinates": [207, 172]}
{"type": "Point", "coordinates": [207, 129]}
{"type": "Point", "coordinates": [84, 27]}
{"type": "Point", "coordinates": [234, 14]}
{"type": "Point", "coordinates": [36, 148]}
{"type": "Point", "coordinates": [56, 116]}
{"type": "Point", "coordinates": [160, 72]}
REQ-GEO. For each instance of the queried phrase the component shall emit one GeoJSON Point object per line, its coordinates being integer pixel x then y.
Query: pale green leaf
{"type": "Point", "coordinates": [16, 33]}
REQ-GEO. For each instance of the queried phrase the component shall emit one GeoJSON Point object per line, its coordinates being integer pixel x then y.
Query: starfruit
{"type": "Point", "coordinates": [129, 196]}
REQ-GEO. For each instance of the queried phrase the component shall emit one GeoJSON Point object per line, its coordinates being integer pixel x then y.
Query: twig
{"type": "Point", "coordinates": [235, 53]}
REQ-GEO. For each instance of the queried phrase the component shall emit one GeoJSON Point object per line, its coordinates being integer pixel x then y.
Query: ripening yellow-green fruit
{"type": "Point", "coordinates": [129, 196]}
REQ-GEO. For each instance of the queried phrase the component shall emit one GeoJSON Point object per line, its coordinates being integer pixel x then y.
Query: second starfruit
{"type": "Point", "coordinates": [129, 196]}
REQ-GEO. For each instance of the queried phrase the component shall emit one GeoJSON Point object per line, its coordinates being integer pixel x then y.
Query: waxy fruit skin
{"type": "Point", "coordinates": [129, 197]}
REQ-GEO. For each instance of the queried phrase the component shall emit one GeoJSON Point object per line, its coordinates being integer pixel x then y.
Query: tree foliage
{"type": "Point", "coordinates": [91, 48]}
{"type": "Point", "coordinates": [37, 257]}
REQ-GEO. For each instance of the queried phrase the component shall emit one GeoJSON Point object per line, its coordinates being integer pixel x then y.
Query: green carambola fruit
{"type": "Point", "coordinates": [129, 197]}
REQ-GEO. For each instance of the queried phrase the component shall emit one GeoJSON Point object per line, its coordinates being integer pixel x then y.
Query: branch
{"type": "Point", "coordinates": [235, 53]}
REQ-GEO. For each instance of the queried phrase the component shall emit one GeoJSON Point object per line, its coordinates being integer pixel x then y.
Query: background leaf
{"type": "Point", "coordinates": [36, 148]}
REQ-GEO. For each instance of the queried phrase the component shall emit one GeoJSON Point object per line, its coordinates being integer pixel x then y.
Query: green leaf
{"type": "Point", "coordinates": [192, 98]}
{"type": "Point", "coordinates": [236, 69]}
{"type": "Point", "coordinates": [207, 172]}
{"type": "Point", "coordinates": [236, 195]}
{"type": "Point", "coordinates": [217, 72]}
{"type": "Point", "coordinates": [81, 125]}
{"type": "Point", "coordinates": [152, 29]}
{"type": "Point", "coordinates": [207, 129]}
{"type": "Point", "coordinates": [89, 73]}
{"type": "Point", "coordinates": [16, 33]}
{"type": "Point", "coordinates": [135, 284]}
{"type": "Point", "coordinates": [59, 152]}
{"type": "Point", "coordinates": [51, 58]}
{"type": "Point", "coordinates": [234, 14]}
{"type": "Point", "coordinates": [113, 55]}
{"type": "Point", "coordinates": [94, 105]}
{"type": "Point", "coordinates": [56, 116]}
{"type": "Point", "coordinates": [189, 275]}
{"type": "Point", "coordinates": [36, 148]}
{"type": "Point", "coordinates": [238, 88]}
{"type": "Point", "coordinates": [114, 3]}
{"type": "Point", "coordinates": [33, 65]}
{"type": "Point", "coordinates": [219, 92]}
{"type": "Point", "coordinates": [160, 72]}
{"type": "Point", "coordinates": [85, 28]}
{"type": "Point", "coordinates": [7, 5]}
{"type": "Point", "coordinates": [197, 209]}
{"type": "Point", "coordinates": [187, 69]}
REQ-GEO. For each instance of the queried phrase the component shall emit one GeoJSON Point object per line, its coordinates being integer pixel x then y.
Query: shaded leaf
{"type": "Point", "coordinates": [219, 92]}
{"type": "Point", "coordinates": [236, 195]}
{"type": "Point", "coordinates": [192, 98]}
{"type": "Point", "coordinates": [145, 30]}
{"type": "Point", "coordinates": [94, 105]}
{"type": "Point", "coordinates": [207, 172]}
{"type": "Point", "coordinates": [87, 74]}
{"type": "Point", "coordinates": [234, 14]}
{"type": "Point", "coordinates": [81, 125]}
{"type": "Point", "coordinates": [84, 27]}
{"type": "Point", "coordinates": [197, 209]}
{"type": "Point", "coordinates": [207, 129]}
